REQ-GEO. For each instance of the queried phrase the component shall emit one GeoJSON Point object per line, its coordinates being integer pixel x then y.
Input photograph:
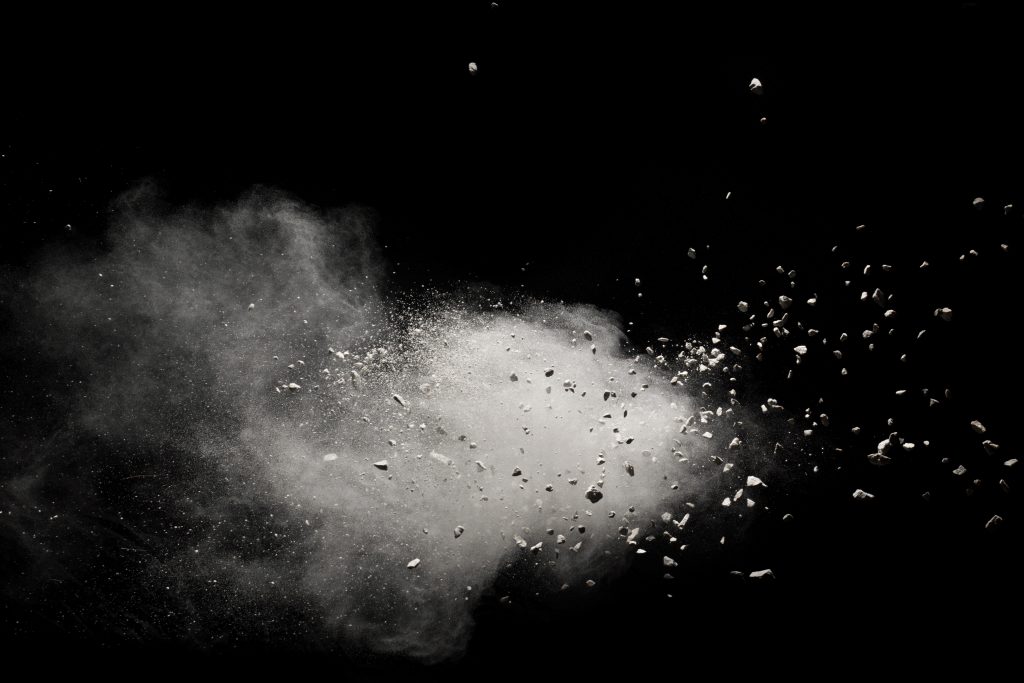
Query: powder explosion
{"type": "Point", "coordinates": [305, 442]}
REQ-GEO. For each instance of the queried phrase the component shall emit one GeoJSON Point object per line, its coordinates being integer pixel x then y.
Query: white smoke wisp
{"type": "Point", "coordinates": [251, 341]}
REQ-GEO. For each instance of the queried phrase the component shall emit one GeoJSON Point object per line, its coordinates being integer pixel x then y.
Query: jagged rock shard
{"type": "Point", "coordinates": [756, 87]}
{"type": "Point", "coordinates": [381, 465]}
{"type": "Point", "coordinates": [330, 456]}
{"type": "Point", "coordinates": [762, 574]}
{"type": "Point", "coordinates": [399, 400]}
{"type": "Point", "coordinates": [593, 494]}
{"type": "Point", "coordinates": [459, 530]}
{"type": "Point", "coordinates": [414, 563]}
{"type": "Point", "coordinates": [860, 494]}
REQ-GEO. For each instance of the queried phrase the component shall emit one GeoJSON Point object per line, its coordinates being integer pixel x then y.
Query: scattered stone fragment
{"type": "Point", "coordinates": [381, 465]}
{"type": "Point", "coordinates": [762, 574]}
{"type": "Point", "coordinates": [514, 377]}
{"type": "Point", "coordinates": [414, 563]}
{"type": "Point", "coordinates": [944, 313]}
{"type": "Point", "coordinates": [756, 87]}
{"type": "Point", "coordinates": [860, 494]}
{"type": "Point", "coordinates": [292, 386]}
{"type": "Point", "coordinates": [399, 400]}
{"type": "Point", "coordinates": [473, 69]}
{"type": "Point", "coordinates": [588, 335]}
{"type": "Point", "coordinates": [994, 522]}
{"type": "Point", "coordinates": [978, 427]}
{"type": "Point", "coordinates": [593, 494]}
{"type": "Point", "coordinates": [669, 562]}
{"type": "Point", "coordinates": [990, 447]}
{"type": "Point", "coordinates": [330, 456]}
{"type": "Point", "coordinates": [459, 530]}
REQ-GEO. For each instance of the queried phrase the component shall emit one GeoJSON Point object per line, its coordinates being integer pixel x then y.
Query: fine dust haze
{"type": "Point", "coordinates": [294, 437]}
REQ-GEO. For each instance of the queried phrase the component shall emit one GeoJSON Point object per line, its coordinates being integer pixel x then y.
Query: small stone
{"type": "Point", "coordinates": [381, 465]}
{"type": "Point", "coordinates": [414, 563]}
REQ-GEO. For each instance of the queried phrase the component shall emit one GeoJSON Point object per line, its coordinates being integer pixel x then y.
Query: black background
{"type": "Point", "coordinates": [596, 145]}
